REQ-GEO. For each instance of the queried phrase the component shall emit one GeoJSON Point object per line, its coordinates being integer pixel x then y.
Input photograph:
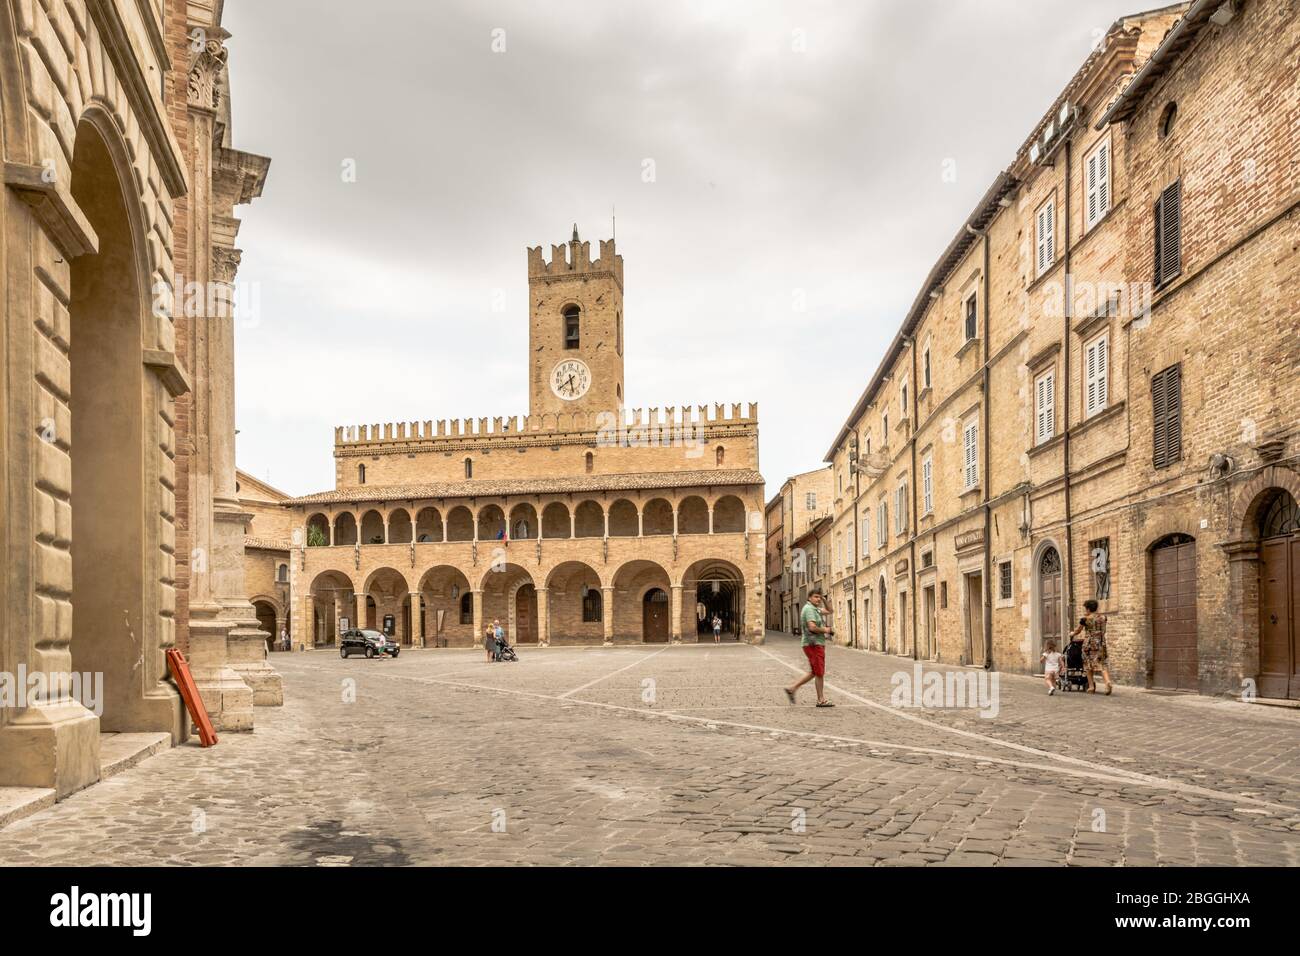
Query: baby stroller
{"type": "Point", "coordinates": [1074, 676]}
{"type": "Point", "coordinates": [504, 651]}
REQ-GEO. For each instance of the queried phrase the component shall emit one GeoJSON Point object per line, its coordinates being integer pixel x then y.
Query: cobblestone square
{"type": "Point", "coordinates": [689, 755]}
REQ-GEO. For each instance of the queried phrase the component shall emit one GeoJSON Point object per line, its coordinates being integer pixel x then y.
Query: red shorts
{"type": "Point", "coordinates": [816, 654]}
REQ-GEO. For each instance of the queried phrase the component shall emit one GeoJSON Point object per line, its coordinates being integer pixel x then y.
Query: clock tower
{"type": "Point", "coordinates": [575, 329]}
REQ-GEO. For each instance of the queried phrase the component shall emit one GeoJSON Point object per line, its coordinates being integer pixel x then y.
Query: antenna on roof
{"type": "Point", "coordinates": [613, 224]}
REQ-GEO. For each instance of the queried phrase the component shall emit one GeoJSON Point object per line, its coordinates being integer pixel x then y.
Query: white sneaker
{"type": "Point", "coordinates": [1051, 691]}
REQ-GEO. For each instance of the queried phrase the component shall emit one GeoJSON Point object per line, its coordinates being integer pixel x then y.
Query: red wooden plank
{"type": "Point", "coordinates": [190, 694]}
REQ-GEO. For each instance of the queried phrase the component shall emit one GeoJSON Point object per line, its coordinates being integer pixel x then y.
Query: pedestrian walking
{"type": "Point", "coordinates": [1095, 657]}
{"type": "Point", "coordinates": [499, 634]}
{"type": "Point", "coordinates": [1052, 663]}
{"type": "Point", "coordinates": [717, 629]}
{"type": "Point", "coordinates": [490, 642]}
{"type": "Point", "coordinates": [815, 634]}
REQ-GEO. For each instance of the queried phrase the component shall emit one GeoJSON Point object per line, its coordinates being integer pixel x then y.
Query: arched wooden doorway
{"type": "Point", "coordinates": [654, 616]}
{"type": "Point", "coordinates": [1279, 598]}
{"type": "Point", "coordinates": [266, 618]}
{"type": "Point", "coordinates": [1174, 658]}
{"type": "Point", "coordinates": [1050, 588]}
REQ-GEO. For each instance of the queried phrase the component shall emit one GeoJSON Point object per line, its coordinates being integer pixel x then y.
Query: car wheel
{"type": "Point", "coordinates": [370, 652]}
{"type": "Point", "coordinates": [343, 652]}
{"type": "Point", "coordinates": [395, 653]}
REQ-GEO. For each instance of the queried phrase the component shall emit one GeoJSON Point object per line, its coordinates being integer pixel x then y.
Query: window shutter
{"type": "Point", "coordinates": [1092, 380]}
{"type": "Point", "coordinates": [927, 484]}
{"type": "Point", "coordinates": [1160, 419]}
{"type": "Point", "coordinates": [971, 475]}
{"type": "Point", "coordinates": [1103, 372]}
{"type": "Point", "coordinates": [1049, 411]}
{"type": "Point", "coordinates": [1093, 211]}
{"type": "Point", "coordinates": [1051, 233]}
{"type": "Point", "coordinates": [1171, 262]}
{"type": "Point", "coordinates": [1174, 397]}
{"type": "Point", "coordinates": [1103, 180]}
{"type": "Point", "coordinates": [1042, 240]}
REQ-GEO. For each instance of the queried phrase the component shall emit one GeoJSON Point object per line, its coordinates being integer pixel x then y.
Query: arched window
{"type": "Point", "coordinates": [591, 606]}
{"type": "Point", "coordinates": [571, 327]}
{"type": "Point", "coordinates": [591, 462]}
{"type": "Point", "coordinates": [361, 474]}
{"type": "Point", "coordinates": [467, 608]}
{"type": "Point", "coordinates": [282, 574]}
{"type": "Point", "coordinates": [719, 456]}
{"type": "Point", "coordinates": [469, 467]}
{"type": "Point", "coordinates": [1167, 120]}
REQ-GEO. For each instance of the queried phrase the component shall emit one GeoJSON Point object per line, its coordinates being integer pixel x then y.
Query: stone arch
{"type": "Point", "coordinates": [269, 615]}
{"type": "Point", "coordinates": [693, 515]}
{"type": "Point", "coordinates": [460, 524]}
{"type": "Point", "coordinates": [718, 586]}
{"type": "Point", "coordinates": [322, 525]}
{"type": "Point", "coordinates": [330, 597]}
{"type": "Point", "coordinates": [728, 515]}
{"type": "Point", "coordinates": [372, 527]}
{"type": "Point", "coordinates": [1257, 493]}
{"type": "Point", "coordinates": [575, 601]}
{"type": "Point", "coordinates": [428, 525]}
{"type": "Point", "coordinates": [589, 520]}
{"type": "Point", "coordinates": [523, 522]}
{"type": "Point", "coordinates": [442, 589]}
{"type": "Point", "coordinates": [345, 528]}
{"type": "Point", "coordinates": [399, 527]}
{"type": "Point", "coordinates": [555, 521]}
{"type": "Point", "coordinates": [623, 522]}
{"type": "Point", "coordinates": [657, 517]}
{"type": "Point", "coordinates": [491, 521]}
{"type": "Point", "coordinates": [501, 586]}
{"type": "Point", "coordinates": [387, 594]}
{"type": "Point", "coordinates": [631, 582]}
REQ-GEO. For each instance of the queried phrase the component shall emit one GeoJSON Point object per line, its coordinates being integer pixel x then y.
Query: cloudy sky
{"type": "Point", "coordinates": [798, 195]}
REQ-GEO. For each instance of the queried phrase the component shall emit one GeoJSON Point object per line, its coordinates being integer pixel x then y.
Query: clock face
{"type": "Point", "coordinates": [570, 379]}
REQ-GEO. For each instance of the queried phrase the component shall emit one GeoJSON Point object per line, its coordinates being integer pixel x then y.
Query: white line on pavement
{"type": "Point", "coordinates": [592, 683]}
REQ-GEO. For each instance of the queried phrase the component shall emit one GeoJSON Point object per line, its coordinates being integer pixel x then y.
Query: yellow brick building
{"type": "Point", "coordinates": [580, 522]}
{"type": "Point", "coordinates": [1094, 394]}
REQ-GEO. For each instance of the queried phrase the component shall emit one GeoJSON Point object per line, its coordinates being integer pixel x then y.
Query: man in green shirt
{"type": "Point", "coordinates": [815, 635]}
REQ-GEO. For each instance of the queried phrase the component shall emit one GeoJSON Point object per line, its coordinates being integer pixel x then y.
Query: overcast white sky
{"type": "Point", "coordinates": [780, 174]}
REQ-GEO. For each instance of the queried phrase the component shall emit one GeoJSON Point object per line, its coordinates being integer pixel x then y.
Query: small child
{"type": "Point", "coordinates": [1051, 659]}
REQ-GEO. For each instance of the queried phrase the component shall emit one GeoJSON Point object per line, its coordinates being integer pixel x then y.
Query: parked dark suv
{"type": "Point", "coordinates": [367, 642]}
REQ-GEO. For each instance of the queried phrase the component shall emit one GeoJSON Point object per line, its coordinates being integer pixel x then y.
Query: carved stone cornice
{"type": "Point", "coordinates": [206, 64]}
{"type": "Point", "coordinates": [237, 177]}
{"type": "Point", "coordinates": [225, 263]}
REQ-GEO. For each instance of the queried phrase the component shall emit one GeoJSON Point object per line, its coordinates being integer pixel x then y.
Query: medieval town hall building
{"type": "Point", "coordinates": [582, 522]}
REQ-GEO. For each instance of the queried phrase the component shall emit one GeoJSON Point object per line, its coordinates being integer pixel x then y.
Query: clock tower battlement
{"type": "Point", "coordinates": [575, 329]}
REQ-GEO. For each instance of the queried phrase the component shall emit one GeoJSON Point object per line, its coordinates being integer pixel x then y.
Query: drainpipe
{"type": "Point", "coordinates": [913, 478]}
{"type": "Point", "coordinates": [988, 458]}
{"type": "Point", "coordinates": [1069, 386]}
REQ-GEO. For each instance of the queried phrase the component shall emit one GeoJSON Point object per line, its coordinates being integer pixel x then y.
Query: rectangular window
{"type": "Point", "coordinates": [882, 524]}
{"type": "Point", "coordinates": [1097, 177]}
{"type": "Point", "coordinates": [927, 484]}
{"type": "Point", "coordinates": [903, 397]}
{"type": "Point", "coordinates": [972, 318]}
{"type": "Point", "coordinates": [1099, 560]}
{"type": "Point", "coordinates": [866, 534]}
{"type": "Point", "coordinates": [925, 364]}
{"type": "Point", "coordinates": [1045, 236]}
{"type": "Point", "coordinates": [1045, 408]}
{"type": "Point", "coordinates": [1004, 581]}
{"type": "Point", "coordinates": [1096, 367]}
{"type": "Point", "coordinates": [1168, 234]}
{"type": "Point", "coordinates": [810, 501]}
{"type": "Point", "coordinates": [943, 595]}
{"type": "Point", "coordinates": [884, 429]}
{"type": "Point", "coordinates": [971, 462]}
{"type": "Point", "coordinates": [927, 559]}
{"type": "Point", "coordinates": [1167, 416]}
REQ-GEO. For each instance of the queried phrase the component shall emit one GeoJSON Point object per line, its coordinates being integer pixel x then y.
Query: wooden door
{"type": "Point", "coordinates": [929, 624]}
{"type": "Point", "coordinates": [1174, 656]}
{"type": "Point", "coordinates": [1049, 599]}
{"type": "Point", "coordinates": [526, 615]}
{"type": "Point", "coordinates": [1279, 597]}
{"type": "Point", "coordinates": [654, 618]}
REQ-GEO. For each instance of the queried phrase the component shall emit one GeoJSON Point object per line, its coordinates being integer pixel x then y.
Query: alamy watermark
{"type": "Point", "coordinates": [28, 689]}
{"type": "Point", "coordinates": [970, 690]}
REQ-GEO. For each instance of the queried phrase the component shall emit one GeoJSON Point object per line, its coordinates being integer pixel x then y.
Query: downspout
{"type": "Point", "coordinates": [1066, 311]}
{"type": "Point", "coordinates": [988, 458]}
{"type": "Point", "coordinates": [912, 480]}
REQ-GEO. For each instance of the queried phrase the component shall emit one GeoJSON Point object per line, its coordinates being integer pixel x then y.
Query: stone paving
{"type": "Point", "coordinates": [690, 755]}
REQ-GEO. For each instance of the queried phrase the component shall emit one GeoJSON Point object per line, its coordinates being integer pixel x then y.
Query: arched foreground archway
{"type": "Point", "coordinates": [510, 596]}
{"type": "Point", "coordinates": [115, 530]}
{"type": "Point", "coordinates": [710, 587]}
{"type": "Point", "coordinates": [388, 604]}
{"type": "Point", "coordinates": [268, 622]}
